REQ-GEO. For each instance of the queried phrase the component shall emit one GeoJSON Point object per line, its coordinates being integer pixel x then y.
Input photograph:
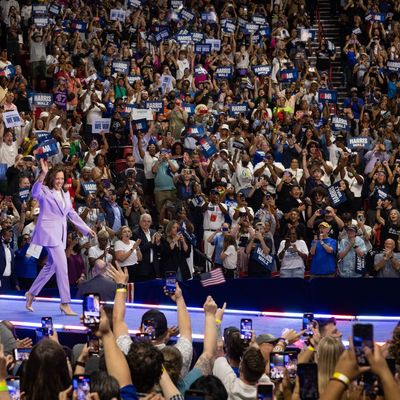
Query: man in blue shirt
{"type": "Point", "coordinates": [323, 251]}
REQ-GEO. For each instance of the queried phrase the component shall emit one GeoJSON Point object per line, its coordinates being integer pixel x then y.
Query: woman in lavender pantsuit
{"type": "Point", "coordinates": [51, 232]}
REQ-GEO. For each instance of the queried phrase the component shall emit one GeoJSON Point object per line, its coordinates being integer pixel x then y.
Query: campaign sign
{"type": "Point", "coordinates": [339, 123]}
{"type": "Point", "coordinates": [197, 130]}
{"type": "Point", "coordinates": [12, 119]}
{"type": "Point", "coordinates": [176, 3]}
{"type": "Point", "coordinates": [54, 9]}
{"type": "Point", "coordinates": [141, 125]}
{"type": "Point", "coordinates": [208, 148]}
{"type": "Point", "coordinates": [336, 195]}
{"type": "Point", "coordinates": [155, 105]}
{"type": "Point", "coordinates": [327, 96]}
{"type": "Point", "coordinates": [135, 3]}
{"type": "Point", "coordinates": [46, 149]}
{"type": "Point", "coordinates": [184, 39]}
{"type": "Point", "coordinates": [208, 17]}
{"type": "Point", "coordinates": [202, 48]}
{"type": "Point", "coordinates": [42, 136]}
{"type": "Point", "coordinates": [289, 75]}
{"type": "Point", "coordinates": [224, 72]}
{"type": "Point", "coordinates": [381, 194]}
{"type": "Point", "coordinates": [24, 194]}
{"type": "Point", "coordinates": [121, 66]}
{"type": "Point", "coordinates": [101, 125]}
{"type": "Point", "coordinates": [200, 70]}
{"type": "Point", "coordinates": [189, 108]}
{"type": "Point", "coordinates": [251, 28]}
{"type": "Point", "coordinates": [3, 171]}
{"type": "Point", "coordinates": [358, 142]}
{"type": "Point", "coordinates": [141, 113]}
{"type": "Point", "coordinates": [261, 258]}
{"type": "Point", "coordinates": [162, 35]}
{"type": "Point", "coordinates": [187, 15]}
{"type": "Point", "coordinates": [42, 99]}
{"type": "Point", "coordinates": [8, 71]}
{"type": "Point", "coordinates": [197, 37]}
{"type": "Point", "coordinates": [133, 78]}
{"type": "Point", "coordinates": [215, 44]}
{"type": "Point", "coordinates": [79, 26]}
{"type": "Point", "coordinates": [258, 19]}
{"type": "Point", "coordinates": [393, 66]}
{"type": "Point", "coordinates": [39, 9]}
{"type": "Point", "coordinates": [41, 22]}
{"type": "Point", "coordinates": [262, 70]}
{"type": "Point", "coordinates": [117, 15]}
{"type": "Point", "coordinates": [265, 31]}
{"type": "Point", "coordinates": [236, 109]}
{"type": "Point", "coordinates": [237, 144]}
{"type": "Point", "coordinates": [228, 26]}
{"type": "Point", "coordinates": [375, 17]}
{"type": "Point", "coordinates": [89, 187]}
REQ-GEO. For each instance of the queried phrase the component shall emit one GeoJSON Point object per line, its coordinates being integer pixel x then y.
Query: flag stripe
{"type": "Point", "coordinates": [214, 277]}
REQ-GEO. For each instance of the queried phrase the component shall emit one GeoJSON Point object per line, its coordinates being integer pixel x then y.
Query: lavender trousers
{"type": "Point", "coordinates": [56, 263]}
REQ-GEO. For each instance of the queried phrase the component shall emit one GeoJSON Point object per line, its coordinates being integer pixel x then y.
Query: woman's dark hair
{"type": "Point", "coordinates": [46, 373]}
{"type": "Point", "coordinates": [49, 182]}
{"type": "Point", "coordinates": [174, 146]}
{"type": "Point", "coordinates": [96, 159]}
{"type": "Point", "coordinates": [228, 241]}
{"type": "Point", "coordinates": [211, 386]}
{"type": "Point", "coordinates": [104, 385]}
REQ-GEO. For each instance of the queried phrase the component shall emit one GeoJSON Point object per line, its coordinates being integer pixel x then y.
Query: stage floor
{"type": "Point", "coordinates": [12, 308]}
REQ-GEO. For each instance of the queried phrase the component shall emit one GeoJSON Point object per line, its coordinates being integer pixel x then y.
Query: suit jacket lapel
{"type": "Point", "coordinates": [58, 201]}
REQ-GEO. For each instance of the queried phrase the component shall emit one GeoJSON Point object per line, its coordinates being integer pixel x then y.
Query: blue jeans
{"type": "Point", "coordinates": [292, 273]}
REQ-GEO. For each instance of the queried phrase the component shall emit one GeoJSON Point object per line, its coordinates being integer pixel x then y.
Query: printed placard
{"type": "Point", "coordinates": [262, 70]}
{"type": "Point", "coordinates": [236, 109]}
{"type": "Point", "coordinates": [393, 66]}
{"type": "Point", "coordinates": [46, 149]}
{"type": "Point", "coordinates": [258, 19]}
{"type": "Point", "coordinates": [265, 31]}
{"type": "Point", "coordinates": [79, 26]}
{"type": "Point", "coordinates": [42, 136]}
{"type": "Point", "coordinates": [162, 35]}
{"type": "Point", "coordinates": [337, 197]}
{"type": "Point", "coordinates": [117, 15]}
{"type": "Point", "coordinates": [133, 78]}
{"type": "Point", "coordinates": [39, 9]}
{"type": "Point", "coordinates": [41, 22]}
{"type": "Point", "coordinates": [155, 105]}
{"type": "Point", "coordinates": [89, 187]}
{"type": "Point", "coordinates": [208, 17]}
{"type": "Point", "coordinates": [24, 194]}
{"type": "Point", "coordinates": [187, 15]}
{"type": "Point", "coordinates": [224, 72]}
{"type": "Point", "coordinates": [289, 75]}
{"type": "Point", "coordinates": [197, 37]}
{"type": "Point", "coordinates": [101, 125]}
{"type": "Point", "coordinates": [261, 258]}
{"type": "Point", "coordinates": [327, 96]}
{"type": "Point", "coordinates": [196, 131]}
{"type": "Point", "coordinates": [215, 44]}
{"type": "Point", "coordinates": [12, 119]}
{"type": "Point", "coordinates": [202, 48]}
{"type": "Point", "coordinates": [3, 171]}
{"type": "Point", "coordinates": [189, 108]}
{"type": "Point", "coordinates": [358, 142]}
{"type": "Point", "coordinates": [121, 67]}
{"type": "Point", "coordinates": [208, 148]}
{"type": "Point", "coordinates": [184, 38]}
{"type": "Point", "coordinates": [175, 4]}
{"type": "Point", "coordinates": [141, 113]}
{"type": "Point", "coordinates": [200, 70]}
{"type": "Point", "coordinates": [141, 125]}
{"type": "Point", "coordinates": [42, 99]}
{"type": "Point", "coordinates": [251, 28]}
{"type": "Point", "coordinates": [375, 17]}
{"type": "Point", "coordinates": [339, 123]}
{"type": "Point", "coordinates": [228, 25]}
{"type": "Point", "coordinates": [135, 3]}
{"type": "Point", "coordinates": [54, 9]}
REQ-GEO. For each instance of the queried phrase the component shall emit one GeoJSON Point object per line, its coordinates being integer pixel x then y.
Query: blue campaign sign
{"type": "Point", "coordinates": [42, 99]}
{"type": "Point", "coordinates": [24, 194]}
{"type": "Point", "coordinates": [208, 148]}
{"type": "Point", "coordinates": [134, 78]}
{"type": "Point", "coordinates": [121, 66]}
{"type": "Point", "coordinates": [3, 171]}
{"type": "Point", "coordinates": [46, 149]}
{"type": "Point", "coordinates": [197, 37]}
{"type": "Point", "coordinates": [200, 70]}
{"type": "Point", "coordinates": [189, 108]}
{"type": "Point", "coordinates": [265, 31]}
{"type": "Point", "coordinates": [184, 38]}
{"type": "Point", "coordinates": [42, 136]}
{"type": "Point", "coordinates": [41, 22]}
{"type": "Point", "coordinates": [262, 70]}
{"type": "Point", "coordinates": [155, 105]}
{"type": "Point", "coordinates": [236, 109]}
{"type": "Point", "coordinates": [289, 75]}
{"type": "Point", "coordinates": [187, 15]}
{"type": "Point", "coordinates": [101, 125]}
{"type": "Point", "coordinates": [141, 125]}
{"type": "Point", "coordinates": [162, 35]}
{"type": "Point", "coordinates": [228, 25]}
{"type": "Point", "coordinates": [8, 71]}
{"type": "Point", "coordinates": [39, 9]}
{"type": "Point", "coordinates": [135, 3]}
{"type": "Point", "coordinates": [336, 195]}
{"type": "Point", "coordinates": [251, 28]}
{"type": "Point", "coordinates": [258, 19]}
{"type": "Point", "coordinates": [89, 187]}
{"type": "Point", "coordinates": [202, 48]}
{"type": "Point", "coordinates": [54, 9]}
{"type": "Point", "coordinates": [176, 3]}
{"type": "Point", "coordinates": [393, 66]}
{"type": "Point", "coordinates": [196, 131]}
{"type": "Point", "coordinates": [327, 96]}
{"type": "Point", "coordinates": [340, 123]}
{"type": "Point", "coordinates": [358, 142]}
{"type": "Point", "coordinates": [375, 17]}
{"type": "Point", "coordinates": [208, 17]}
{"type": "Point", "coordinates": [261, 258]}
{"type": "Point", "coordinates": [224, 73]}
{"type": "Point", "coordinates": [79, 26]}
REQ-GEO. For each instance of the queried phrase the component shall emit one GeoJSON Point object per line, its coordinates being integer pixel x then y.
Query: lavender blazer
{"type": "Point", "coordinates": [51, 226]}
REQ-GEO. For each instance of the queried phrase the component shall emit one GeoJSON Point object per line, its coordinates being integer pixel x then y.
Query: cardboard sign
{"type": "Point", "coordinates": [261, 258]}
{"type": "Point", "coordinates": [289, 75]}
{"type": "Point", "coordinates": [101, 125]}
{"type": "Point", "coordinates": [187, 15]}
{"type": "Point", "coordinates": [24, 194]}
{"type": "Point", "coordinates": [12, 119]}
{"type": "Point", "coordinates": [208, 148]}
{"type": "Point", "coordinates": [336, 195]}
{"type": "Point", "coordinates": [262, 70]}
{"type": "Point", "coordinates": [141, 113]}
{"type": "Point", "coordinates": [215, 44]}
{"type": "Point", "coordinates": [39, 9]}
{"type": "Point", "coordinates": [358, 142]}
{"type": "Point", "coordinates": [122, 67]}
{"type": "Point", "coordinates": [42, 99]}
{"type": "Point", "coordinates": [41, 22]}
{"type": "Point", "coordinates": [141, 125]}
{"type": "Point", "coordinates": [189, 108]}
{"type": "Point", "coordinates": [208, 17]}
{"type": "Point", "coordinates": [236, 109]}
{"type": "Point", "coordinates": [327, 96]}
{"type": "Point", "coordinates": [46, 149]}
{"type": "Point", "coordinates": [89, 187]}
{"type": "Point", "coordinates": [155, 105]}
{"type": "Point", "coordinates": [79, 26]}
{"type": "Point", "coordinates": [340, 123]}
{"type": "Point", "coordinates": [393, 66]}
{"type": "Point", "coordinates": [117, 15]}
{"type": "Point", "coordinates": [162, 35]}
{"type": "Point", "coordinates": [42, 136]}
{"type": "Point", "coordinates": [224, 73]}
{"type": "Point", "coordinates": [202, 48]}
{"type": "Point", "coordinates": [196, 131]}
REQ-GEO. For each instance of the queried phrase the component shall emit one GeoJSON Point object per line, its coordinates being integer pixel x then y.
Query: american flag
{"type": "Point", "coordinates": [214, 277]}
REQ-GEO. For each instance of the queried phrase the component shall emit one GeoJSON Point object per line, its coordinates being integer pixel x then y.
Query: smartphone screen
{"type": "Point", "coordinates": [149, 327]}
{"type": "Point", "coordinates": [170, 281]}
{"type": "Point", "coordinates": [39, 334]}
{"type": "Point", "coordinates": [93, 344]}
{"type": "Point", "coordinates": [308, 319]}
{"type": "Point", "coordinates": [21, 354]}
{"type": "Point", "coordinates": [308, 379]}
{"type": "Point", "coordinates": [47, 326]}
{"type": "Point", "coordinates": [91, 309]}
{"type": "Point", "coordinates": [246, 328]}
{"type": "Point", "coordinates": [363, 336]}
{"type": "Point", "coordinates": [81, 384]}
{"type": "Point", "coordinates": [265, 392]}
{"type": "Point", "coordinates": [13, 387]}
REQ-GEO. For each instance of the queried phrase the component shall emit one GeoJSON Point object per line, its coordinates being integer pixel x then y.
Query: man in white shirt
{"type": "Point", "coordinates": [8, 147]}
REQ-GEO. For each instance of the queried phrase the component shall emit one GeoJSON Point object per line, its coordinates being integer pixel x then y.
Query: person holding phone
{"type": "Point", "coordinates": [51, 232]}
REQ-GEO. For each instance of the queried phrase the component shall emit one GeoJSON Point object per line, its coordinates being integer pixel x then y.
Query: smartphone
{"type": "Point", "coordinates": [308, 319]}
{"type": "Point", "coordinates": [265, 391]}
{"type": "Point", "coordinates": [13, 386]}
{"type": "Point", "coordinates": [21, 354]}
{"type": "Point", "coordinates": [279, 361]}
{"type": "Point", "coordinates": [39, 334]}
{"type": "Point", "coordinates": [308, 379]}
{"type": "Point", "coordinates": [91, 310]}
{"type": "Point", "coordinates": [93, 343]}
{"type": "Point", "coordinates": [170, 281]}
{"type": "Point", "coordinates": [81, 384]}
{"type": "Point", "coordinates": [322, 212]}
{"type": "Point", "coordinates": [149, 327]}
{"type": "Point", "coordinates": [47, 326]}
{"type": "Point", "coordinates": [101, 218]}
{"type": "Point", "coordinates": [194, 395]}
{"type": "Point", "coordinates": [363, 336]}
{"type": "Point", "coordinates": [246, 328]}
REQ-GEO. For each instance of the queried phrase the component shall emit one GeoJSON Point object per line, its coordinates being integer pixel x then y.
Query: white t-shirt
{"type": "Point", "coordinates": [8, 153]}
{"type": "Point", "coordinates": [291, 259]}
{"type": "Point", "coordinates": [95, 252]}
{"type": "Point", "coordinates": [213, 217]}
{"type": "Point", "coordinates": [230, 261]}
{"type": "Point", "coordinates": [121, 246]}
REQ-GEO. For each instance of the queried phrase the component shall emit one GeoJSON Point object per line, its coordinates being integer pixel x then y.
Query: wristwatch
{"type": "Point", "coordinates": [281, 339]}
{"type": "Point", "coordinates": [121, 286]}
